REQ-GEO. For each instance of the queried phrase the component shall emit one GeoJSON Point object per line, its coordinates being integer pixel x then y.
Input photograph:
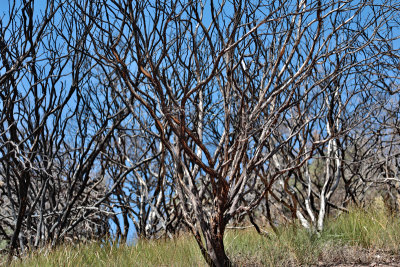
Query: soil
{"type": "Point", "coordinates": [353, 256]}
{"type": "Point", "coordinates": [341, 256]}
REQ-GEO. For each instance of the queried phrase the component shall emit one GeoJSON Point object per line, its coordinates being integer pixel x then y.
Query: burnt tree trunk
{"type": "Point", "coordinates": [216, 251]}
{"type": "Point", "coordinates": [214, 240]}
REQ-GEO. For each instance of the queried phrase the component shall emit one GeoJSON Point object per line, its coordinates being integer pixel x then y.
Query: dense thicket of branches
{"type": "Point", "coordinates": [154, 117]}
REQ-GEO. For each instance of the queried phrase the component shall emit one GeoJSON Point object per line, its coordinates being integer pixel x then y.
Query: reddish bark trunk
{"type": "Point", "coordinates": [216, 252]}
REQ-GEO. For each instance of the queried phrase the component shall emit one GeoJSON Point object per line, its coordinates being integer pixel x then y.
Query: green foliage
{"type": "Point", "coordinates": [359, 230]}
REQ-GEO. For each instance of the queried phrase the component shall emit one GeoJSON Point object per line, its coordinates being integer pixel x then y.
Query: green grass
{"type": "Point", "coordinates": [375, 228]}
{"type": "Point", "coordinates": [348, 234]}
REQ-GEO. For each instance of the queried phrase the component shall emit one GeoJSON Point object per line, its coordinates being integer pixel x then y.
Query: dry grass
{"type": "Point", "coordinates": [357, 238]}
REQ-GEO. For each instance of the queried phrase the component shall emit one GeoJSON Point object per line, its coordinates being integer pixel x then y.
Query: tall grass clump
{"type": "Point", "coordinates": [292, 245]}
{"type": "Point", "coordinates": [372, 228]}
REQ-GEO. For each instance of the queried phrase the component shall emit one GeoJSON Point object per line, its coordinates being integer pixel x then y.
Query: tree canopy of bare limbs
{"type": "Point", "coordinates": [53, 129]}
{"type": "Point", "coordinates": [188, 115]}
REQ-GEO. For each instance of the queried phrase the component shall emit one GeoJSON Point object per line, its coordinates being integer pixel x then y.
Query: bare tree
{"type": "Point", "coordinates": [174, 114]}
{"type": "Point", "coordinates": [54, 126]}
{"type": "Point", "coordinates": [350, 99]}
{"type": "Point", "coordinates": [223, 79]}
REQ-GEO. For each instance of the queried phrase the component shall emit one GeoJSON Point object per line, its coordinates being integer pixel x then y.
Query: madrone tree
{"type": "Point", "coordinates": [220, 79]}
